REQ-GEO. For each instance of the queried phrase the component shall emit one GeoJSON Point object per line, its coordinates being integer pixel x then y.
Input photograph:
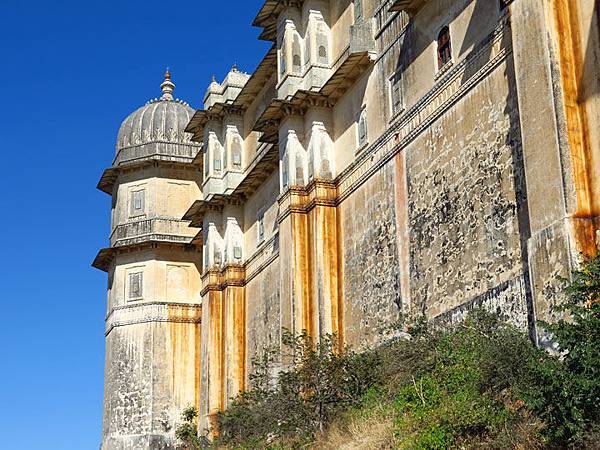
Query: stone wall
{"type": "Point", "coordinates": [371, 269]}
{"type": "Point", "coordinates": [464, 175]}
{"type": "Point", "coordinates": [263, 313]}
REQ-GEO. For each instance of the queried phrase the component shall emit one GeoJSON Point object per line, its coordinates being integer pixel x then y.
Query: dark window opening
{"type": "Point", "coordinates": [444, 47]}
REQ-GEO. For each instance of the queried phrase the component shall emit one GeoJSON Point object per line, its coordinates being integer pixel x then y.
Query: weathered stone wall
{"type": "Point", "coordinates": [370, 259]}
{"type": "Point", "coordinates": [263, 312]}
{"type": "Point", "coordinates": [464, 175]}
{"type": "Point", "coordinates": [151, 376]}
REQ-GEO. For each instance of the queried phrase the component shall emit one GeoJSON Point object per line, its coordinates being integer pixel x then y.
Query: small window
{"type": "Point", "coordinates": [136, 280]}
{"type": "Point", "coordinates": [261, 227]}
{"type": "Point", "coordinates": [322, 54]}
{"type": "Point", "coordinates": [296, 58]}
{"type": "Point", "coordinates": [396, 93]}
{"type": "Point", "coordinates": [444, 47]}
{"type": "Point", "coordinates": [282, 67]}
{"type": "Point", "coordinates": [137, 203]}
{"type": "Point", "coordinates": [284, 172]}
{"type": "Point", "coordinates": [237, 253]}
{"type": "Point", "coordinates": [217, 255]}
{"type": "Point", "coordinates": [217, 162]}
{"type": "Point", "coordinates": [322, 43]}
{"type": "Point", "coordinates": [362, 128]}
{"type": "Point", "coordinates": [237, 152]}
{"type": "Point", "coordinates": [357, 9]}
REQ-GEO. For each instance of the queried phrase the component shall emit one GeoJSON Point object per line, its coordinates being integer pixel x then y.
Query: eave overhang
{"type": "Point", "coordinates": [268, 15]}
{"type": "Point", "coordinates": [268, 122]}
{"type": "Point", "coordinates": [108, 180]}
{"type": "Point", "coordinates": [411, 7]}
{"type": "Point", "coordinates": [202, 116]}
{"type": "Point", "coordinates": [343, 77]}
{"type": "Point", "coordinates": [105, 257]}
{"type": "Point", "coordinates": [109, 176]}
{"type": "Point", "coordinates": [263, 165]}
{"type": "Point", "coordinates": [261, 75]}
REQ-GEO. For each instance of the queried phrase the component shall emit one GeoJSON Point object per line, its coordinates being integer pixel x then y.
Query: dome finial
{"type": "Point", "coordinates": [167, 86]}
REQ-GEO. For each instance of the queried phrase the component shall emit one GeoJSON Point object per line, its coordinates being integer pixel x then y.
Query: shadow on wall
{"type": "Point", "coordinates": [419, 35]}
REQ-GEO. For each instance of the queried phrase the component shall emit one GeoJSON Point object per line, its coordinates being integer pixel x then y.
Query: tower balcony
{"type": "Point", "coordinates": [155, 229]}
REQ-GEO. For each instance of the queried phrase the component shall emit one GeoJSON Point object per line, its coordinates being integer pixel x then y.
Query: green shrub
{"type": "Point", "coordinates": [566, 390]}
{"type": "Point", "coordinates": [322, 381]}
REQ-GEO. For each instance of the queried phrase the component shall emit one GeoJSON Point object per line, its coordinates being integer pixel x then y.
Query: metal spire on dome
{"type": "Point", "coordinates": [167, 86]}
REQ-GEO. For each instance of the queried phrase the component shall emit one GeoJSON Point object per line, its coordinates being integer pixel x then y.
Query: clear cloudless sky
{"type": "Point", "coordinates": [70, 72]}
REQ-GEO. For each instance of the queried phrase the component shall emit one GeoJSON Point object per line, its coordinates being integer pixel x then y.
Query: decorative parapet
{"type": "Point", "coordinates": [153, 312]}
{"type": "Point", "coordinates": [156, 229]}
{"type": "Point", "coordinates": [161, 151]}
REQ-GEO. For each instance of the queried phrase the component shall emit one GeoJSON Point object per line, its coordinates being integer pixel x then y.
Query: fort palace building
{"type": "Point", "coordinates": [386, 159]}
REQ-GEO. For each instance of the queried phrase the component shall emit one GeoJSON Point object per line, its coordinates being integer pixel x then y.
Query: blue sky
{"type": "Point", "coordinates": [70, 72]}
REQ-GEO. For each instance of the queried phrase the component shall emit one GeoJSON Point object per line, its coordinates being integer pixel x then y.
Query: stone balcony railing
{"type": "Point", "coordinates": [164, 151]}
{"type": "Point", "coordinates": [155, 229]}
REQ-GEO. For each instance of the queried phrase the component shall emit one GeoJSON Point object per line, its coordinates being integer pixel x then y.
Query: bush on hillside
{"type": "Point", "coordinates": [478, 384]}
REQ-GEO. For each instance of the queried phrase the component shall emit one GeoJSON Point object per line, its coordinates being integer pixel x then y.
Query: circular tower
{"type": "Point", "coordinates": [154, 267]}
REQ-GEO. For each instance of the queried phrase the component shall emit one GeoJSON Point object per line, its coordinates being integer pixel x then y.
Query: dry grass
{"type": "Point", "coordinates": [374, 431]}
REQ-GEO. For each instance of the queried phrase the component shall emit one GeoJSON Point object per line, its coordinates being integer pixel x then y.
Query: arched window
{"type": "Point", "coordinates": [236, 152]}
{"type": "Point", "coordinates": [362, 128]}
{"type": "Point", "coordinates": [299, 170]}
{"type": "Point", "coordinates": [282, 67]}
{"type": "Point", "coordinates": [296, 52]}
{"type": "Point", "coordinates": [322, 44]}
{"type": "Point", "coordinates": [444, 47]}
{"type": "Point", "coordinates": [284, 171]}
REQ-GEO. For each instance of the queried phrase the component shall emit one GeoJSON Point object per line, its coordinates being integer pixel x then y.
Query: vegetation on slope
{"type": "Point", "coordinates": [480, 384]}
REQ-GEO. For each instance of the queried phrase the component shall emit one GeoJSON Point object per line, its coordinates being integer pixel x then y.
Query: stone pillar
{"type": "Point", "coordinates": [557, 155]}
{"type": "Point", "coordinates": [311, 271]}
{"type": "Point", "coordinates": [213, 347]}
{"type": "Point", "coordinates": [234, 296]}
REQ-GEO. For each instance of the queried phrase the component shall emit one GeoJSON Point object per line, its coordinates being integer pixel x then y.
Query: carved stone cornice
{"type": "Point", "coordinates": [153, 312]}
{"type": "Point", "coordinates": [301, 199]}
{"type": "Point", "coordinates": [219, 278]}
{"type": "Point", "coordinates": [106, 256]}
{"type": "Point", "coordinates": [111, 175]}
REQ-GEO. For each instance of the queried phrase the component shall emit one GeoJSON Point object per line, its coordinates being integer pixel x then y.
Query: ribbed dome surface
{"type": "Point", "coordinates": [162, 120]}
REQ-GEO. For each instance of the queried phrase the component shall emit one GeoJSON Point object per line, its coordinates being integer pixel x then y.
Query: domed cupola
{"type": "Point", "coordinates": [157, 130]}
